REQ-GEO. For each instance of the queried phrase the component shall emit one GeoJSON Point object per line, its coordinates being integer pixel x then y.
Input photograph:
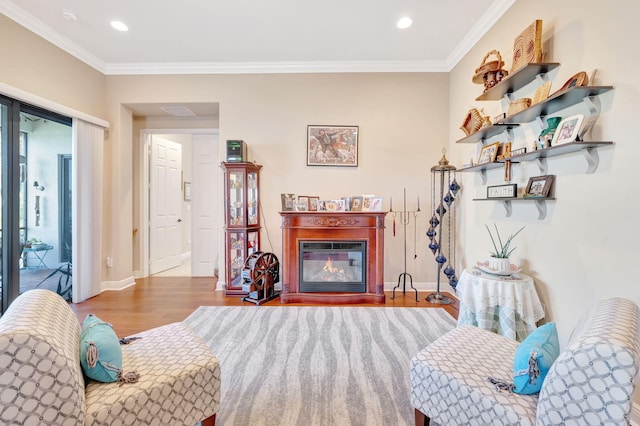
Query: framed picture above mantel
{"type": "Point", "coordinates": [332, 146]}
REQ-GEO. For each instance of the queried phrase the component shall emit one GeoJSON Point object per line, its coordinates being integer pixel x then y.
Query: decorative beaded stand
{"type": "Point", "coordinates": [447, 174]}
{"type": "Point", "coordinates": [404, 221]}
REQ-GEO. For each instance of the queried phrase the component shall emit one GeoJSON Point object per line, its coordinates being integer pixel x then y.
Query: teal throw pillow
{"type": "Point", "coordinates": [100, 352]}
{"type": "Point", "coordinates": [533, 359]}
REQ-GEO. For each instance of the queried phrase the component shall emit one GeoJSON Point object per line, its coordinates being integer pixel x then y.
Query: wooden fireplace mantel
{"type": "Point", "coordinates": [310, 226]}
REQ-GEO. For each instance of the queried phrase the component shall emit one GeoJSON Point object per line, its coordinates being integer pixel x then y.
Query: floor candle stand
{"type": "Point", "coordinates": [405, 218]}
{"type": "Point", "coordinates": [445, 173]}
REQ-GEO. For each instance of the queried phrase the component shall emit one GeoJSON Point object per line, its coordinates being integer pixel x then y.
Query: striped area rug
{"type": "Point", "coordinates": [311, 365]}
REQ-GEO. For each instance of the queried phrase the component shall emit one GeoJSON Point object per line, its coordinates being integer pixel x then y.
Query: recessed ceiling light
{"type": "Point", "coordinates": [120, 26]}
{"type": "Point", "coordinates": [404, 23]}
{"type": "Point", "coordinates": [68, 14]}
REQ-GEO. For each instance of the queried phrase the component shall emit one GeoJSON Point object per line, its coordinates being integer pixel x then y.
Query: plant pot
{"type": "Point", "coordinates": [499, 264]}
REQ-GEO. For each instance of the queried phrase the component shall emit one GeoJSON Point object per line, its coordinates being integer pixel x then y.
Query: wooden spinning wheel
{"type": "Point", "coordinates": [261, 271]}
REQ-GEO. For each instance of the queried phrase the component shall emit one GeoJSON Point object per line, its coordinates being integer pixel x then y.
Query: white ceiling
{"type": "Point", "coordinates": [249, 36]}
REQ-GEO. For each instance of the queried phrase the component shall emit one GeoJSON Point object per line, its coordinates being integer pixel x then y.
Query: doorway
{"type": "Point", "coordinates": [197, 213]}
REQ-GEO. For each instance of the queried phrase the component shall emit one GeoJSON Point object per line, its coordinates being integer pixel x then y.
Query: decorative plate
{"type": "Point", "coordinates": [579, 79]}
{"type": "Point", "coordinates": [484, 267]}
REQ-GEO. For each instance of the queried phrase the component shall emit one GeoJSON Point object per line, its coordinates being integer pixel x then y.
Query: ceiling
{"type": "Point", "coordinates": [258, 36]}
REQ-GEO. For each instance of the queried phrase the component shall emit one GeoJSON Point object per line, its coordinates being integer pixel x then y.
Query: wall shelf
{"type": "Point", "coordinates": [554, 151]}
{"type": "Point", "coordinates": [556, 102]}
{"type": "Point", "coordinates": [517, 80]}
{"type": "Point", "coordinates": [540, 203]}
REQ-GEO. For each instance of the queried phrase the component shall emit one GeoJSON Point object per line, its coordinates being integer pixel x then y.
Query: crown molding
{"type": "Point", "coordinates": [275, 67]}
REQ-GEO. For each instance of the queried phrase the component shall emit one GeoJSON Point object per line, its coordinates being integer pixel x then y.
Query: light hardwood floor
{"type": "Point", "coordinates": [157, 301]}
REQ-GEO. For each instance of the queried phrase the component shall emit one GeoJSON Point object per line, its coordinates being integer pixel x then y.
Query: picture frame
{"type": "Point", "coordinates": [367, 200]}
{"type": "Point", "coordinates": [496, 192]}
{"type": "Point", "coordinates": [539, 186]}
{"type": "Point", "coordinates": [288, 202]}
{"type": "Point", "coordinates": [187, 191]}
{"type": "Point", "coordinates": [347, 203]}
{"type": "Point", "coordinates": [302, 203]}
{"type": "Point", "coordinates": [334, 205]}
{"type": "Point", "coordinates": [376, 204]}
{"type": "Point", "coordinates": [519, 151]}
{"type": "Point", "coordinates": [313, 203]}
{"type": "Point", "coordinates": [568, 130]}
{"type": "Point", "coordinates": [332, 145]}
{"type": "Point", "coordinates": [488, 153]}
{"type": "Point", "coordinates": [356, 203]}
{"type": "Point", "coordinates": [503, 151]}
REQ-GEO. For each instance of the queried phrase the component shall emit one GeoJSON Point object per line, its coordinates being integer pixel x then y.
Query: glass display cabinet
{"type": "Point", "coordinates": [242, 220]}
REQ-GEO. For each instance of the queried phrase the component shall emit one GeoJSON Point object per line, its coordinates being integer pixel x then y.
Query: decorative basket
{"type": "Point", "coordinates": [487, 68]}
{"type": "Point", "coordinates": [474, 121]}
{"type": "Point", "coordinates": [518, 105]}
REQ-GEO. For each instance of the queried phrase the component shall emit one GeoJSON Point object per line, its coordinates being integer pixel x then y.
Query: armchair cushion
{"type": "Point", "coordinates": [533, 359]}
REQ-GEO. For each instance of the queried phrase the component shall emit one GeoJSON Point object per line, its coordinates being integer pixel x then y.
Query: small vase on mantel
{"type": "Point", "coordinates": [499, 264]}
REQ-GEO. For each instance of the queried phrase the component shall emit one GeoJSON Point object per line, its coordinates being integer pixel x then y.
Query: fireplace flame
{"type": "Point", "coordinates": [330, 271]}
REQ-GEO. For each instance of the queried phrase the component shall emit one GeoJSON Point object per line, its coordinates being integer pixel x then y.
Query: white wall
{"type": "Point", "coordinates": [586, 247]}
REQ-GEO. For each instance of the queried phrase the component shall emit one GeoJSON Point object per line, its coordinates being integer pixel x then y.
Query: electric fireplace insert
{"type": "Point", "coordinates": [332, 266]}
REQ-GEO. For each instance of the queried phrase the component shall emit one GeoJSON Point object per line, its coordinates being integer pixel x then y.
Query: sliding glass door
{"type": "Point", "coordinates": [36, 252]}
{"type": "Point", "coordinates": [9, 195]}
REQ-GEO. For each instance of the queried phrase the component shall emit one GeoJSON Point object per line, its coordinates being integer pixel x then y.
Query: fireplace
{"type": "Point", "coordinates": [332, 266]}
{"type": "Point", "coordinates": [332, 257]}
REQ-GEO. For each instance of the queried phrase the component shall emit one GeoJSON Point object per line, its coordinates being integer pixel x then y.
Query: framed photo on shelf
{"type": "Point", "coordinates": [313, 204]}
{"type": "Point", "coordinates": [332, 146]}
{"type": "Point", "coordinates": [288, 202]}
{"type": "Point", "coordinates": [568, 130]}
{"type": "Point", "coordinates": [302, 204]}
{"type": "Point", "coordinates": [538, 186]}
{"type": "Point", "coordinates": [488, 153]}
{"type": "Point", "coordinates": [509, 190]}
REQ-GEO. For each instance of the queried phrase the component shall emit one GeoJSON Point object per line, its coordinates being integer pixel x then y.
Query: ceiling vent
{"type": "Point", "coordinates": [178, 111]}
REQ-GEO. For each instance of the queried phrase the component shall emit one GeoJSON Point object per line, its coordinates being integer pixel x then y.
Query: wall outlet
{"type": "Point", "coordinates": [109, 262]}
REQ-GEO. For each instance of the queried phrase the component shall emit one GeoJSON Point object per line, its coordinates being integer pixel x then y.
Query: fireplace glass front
{"type": "Point", "coordinates": [332, 266]}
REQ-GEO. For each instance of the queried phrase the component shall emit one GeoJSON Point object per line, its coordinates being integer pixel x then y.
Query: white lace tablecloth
{"type": "Point", "coordinates": [505, 305]}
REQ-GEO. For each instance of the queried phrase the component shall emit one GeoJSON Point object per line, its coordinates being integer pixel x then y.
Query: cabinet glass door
{"type": "Point", "coordinates": [236, 257]}
{"type": "Point", "coordinates": [252, 197]}
{"type": "Point", "coordinates": [236, 198]}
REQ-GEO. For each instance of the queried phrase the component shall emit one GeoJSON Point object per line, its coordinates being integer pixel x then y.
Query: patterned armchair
{"type": "Point", "coordinates": [591, 382]}
{"type": "Point", "coordinates": [41, 380]}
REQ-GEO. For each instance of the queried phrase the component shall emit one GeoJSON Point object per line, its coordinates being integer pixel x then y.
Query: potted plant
{"type": "Point", "coordinates": [499, 260]}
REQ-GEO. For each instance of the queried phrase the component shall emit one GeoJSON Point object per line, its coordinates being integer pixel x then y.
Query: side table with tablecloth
{"type": "Point", "coordinates": [507, 305]}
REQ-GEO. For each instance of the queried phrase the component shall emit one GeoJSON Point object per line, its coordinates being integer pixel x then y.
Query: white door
{"type": "Point", "coordinates": [204, 213]}
{"type": "Point", "coordinates": [165, 236]}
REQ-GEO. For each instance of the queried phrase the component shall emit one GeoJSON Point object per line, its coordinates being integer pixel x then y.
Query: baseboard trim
{"type": "Point", "coordinates": [220, 285]}
{"type": "Point", "coordinates": [117, 285]}
{"type": "Point", "coordinates": [420, 286]}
